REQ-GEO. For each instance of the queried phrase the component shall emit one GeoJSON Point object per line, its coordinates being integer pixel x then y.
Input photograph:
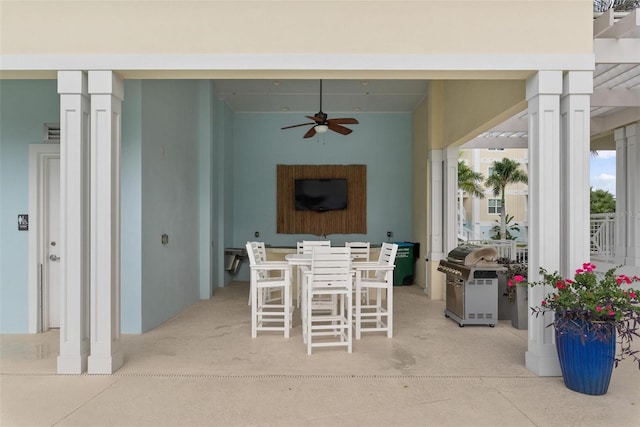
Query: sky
{"type": "Point", "coordinates": [603, 171]}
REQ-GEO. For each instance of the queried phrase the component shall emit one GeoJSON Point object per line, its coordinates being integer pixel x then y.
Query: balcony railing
{"type": "Point", "coordinates": [601, 232]}
{"type": "Point", "coordinates": [515, 251]}
{"type": "Point", "coordinates": [602, 236]}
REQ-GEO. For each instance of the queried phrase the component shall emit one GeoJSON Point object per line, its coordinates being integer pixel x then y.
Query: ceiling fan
{"type": "Point", "coordinates": [321, 123]}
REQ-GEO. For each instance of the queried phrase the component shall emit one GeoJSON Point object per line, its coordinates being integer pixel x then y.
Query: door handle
{"type": "Point", "coordinates": [53, 257]}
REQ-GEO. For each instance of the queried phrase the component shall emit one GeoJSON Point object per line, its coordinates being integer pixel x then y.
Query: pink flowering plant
{"type": "Point", "coordinates": [599, 299]}
{"type": "Point", "coordinates": [516, 276]}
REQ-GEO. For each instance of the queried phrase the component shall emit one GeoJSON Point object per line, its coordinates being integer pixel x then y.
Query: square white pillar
{"type": "Point", "coordinates": [107, 93]}
{"type": "Point", "coordinates": [434, 279]}
{"type": "Point", "coordinates": [621, 196]}
{"type": "Point", "coordinates": [543, 94]}
{"type": "Point", "coordinates": [632, 134]}
{"type": "Point", "coordinates": [450, 195]}
{"type": "Point", "coordinates": [575, 110]}
{"type": "Point", "coordinates": [74, 222]}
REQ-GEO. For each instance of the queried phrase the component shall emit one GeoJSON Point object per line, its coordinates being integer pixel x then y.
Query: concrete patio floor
{"type": "Point", "coordinates": [202, 368]}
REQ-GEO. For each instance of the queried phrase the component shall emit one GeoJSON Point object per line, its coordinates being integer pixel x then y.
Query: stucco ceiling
{"type": "Point", "coordinates": [303, 96]}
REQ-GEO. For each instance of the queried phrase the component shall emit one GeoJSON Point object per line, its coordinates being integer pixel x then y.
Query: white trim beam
{"type": "Point", "coordinates": [323, 62]}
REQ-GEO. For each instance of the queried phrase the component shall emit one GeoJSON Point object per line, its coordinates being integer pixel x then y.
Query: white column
{"type": "Point", "coordinates": [621, 196]}
{"type": "Point", "coordinates": [543, 95]}
{"type": "Point", "coordinates": [74, 222]}
{"type": "Point", "coordinates": [632, 133]}
{"type": "Point", "coordinates": [574, 167]}
{"type": "Point", "coordinates": [475, 201]}
{"type": "Point", "coordinates": [107, 92]}
{"type": "Point", "coordinates": [449, 196]}
{"type": "Point", "coordinates": [435, 284]}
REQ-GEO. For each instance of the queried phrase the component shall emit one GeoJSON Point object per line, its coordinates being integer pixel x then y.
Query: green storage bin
{"type": "Point", "coordinates": [404, 271]}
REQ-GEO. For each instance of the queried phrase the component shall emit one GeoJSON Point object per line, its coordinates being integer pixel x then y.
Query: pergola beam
{"type": "Point", "coordinates": [497, 142]}
{"type": "Point", "coordinates": [627, 27]}
{"type": "Point", "coordinates": [604, 97]}
{"type": "Point", "coordinates": [612, 121]}
{"type": "Point", "coordinates": [617, 51]}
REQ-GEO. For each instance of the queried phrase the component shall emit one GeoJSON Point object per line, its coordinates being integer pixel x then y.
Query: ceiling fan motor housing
{"type": "Point", "coordinates": [322, 117]}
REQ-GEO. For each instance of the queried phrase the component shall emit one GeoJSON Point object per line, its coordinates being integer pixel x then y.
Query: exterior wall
{"type": "Point", "coordinates": [433, 26]}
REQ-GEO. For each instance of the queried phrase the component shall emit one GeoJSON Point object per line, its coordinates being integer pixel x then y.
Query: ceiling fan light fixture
{"type": "Point", "coordinates": [321, 123]}
{"type": "Point", "coordinates": [321, 128]}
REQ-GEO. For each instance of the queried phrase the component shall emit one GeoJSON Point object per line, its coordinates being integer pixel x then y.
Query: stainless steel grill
{"type": "Point", "coordinates": [472, 285]}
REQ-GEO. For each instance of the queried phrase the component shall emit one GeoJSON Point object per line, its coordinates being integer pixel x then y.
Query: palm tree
{"type": "Point", "coordinates": [470, 181]}
{"type": "Point", "coordinates": [505, 172]}
{"type": "Point", "coordinates": [602, 201]}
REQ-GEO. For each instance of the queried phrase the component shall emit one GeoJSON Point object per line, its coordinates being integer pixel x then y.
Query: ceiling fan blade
{"type": "Point", "coordinates": [295, 126]}
{"type": "Point", "coordinates": [310, 132]}
{"type": "Point", "coordinates": [344, 121]}
{"type": "Point", "coordinates": [340, 129]}
{"type": "Point", "coordinates": [316, 119]}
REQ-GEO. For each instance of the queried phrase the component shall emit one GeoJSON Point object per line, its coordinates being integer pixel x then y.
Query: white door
{"type": "Point", "coordinates": [52, 242]}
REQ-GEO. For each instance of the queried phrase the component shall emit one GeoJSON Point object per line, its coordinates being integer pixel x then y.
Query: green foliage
{"type": "Point", "coordinates": [470, 181]}
{"type": "Point", "coordinates": [509, 228]}
{"type": "Point", "coordinates": [505, 172]}
{"type": "Point", "coordinates": [602, 201]}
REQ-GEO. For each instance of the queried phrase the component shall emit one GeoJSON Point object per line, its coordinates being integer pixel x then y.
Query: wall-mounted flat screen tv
{"type": "Point", "coordinates": [321, 195]}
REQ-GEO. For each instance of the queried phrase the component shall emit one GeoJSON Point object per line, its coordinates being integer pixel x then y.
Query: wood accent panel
{"type": "Point", "coordinates": [352, 220]}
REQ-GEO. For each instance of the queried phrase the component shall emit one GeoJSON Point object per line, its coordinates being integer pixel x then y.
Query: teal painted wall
{"type": "Point", "coordinates": [170, 200]}
{"type": "Point", "coordinates": [206, 167]}
{"type": "Point", "coordinates": [224, 187]}
{"type": "Point", "coordinates": [131, 209]}
{"type": "Point", "coordinates": [25, 106]}
{"type": "Point", "coordinates": [381, 141]}
{"type": "Point", "coordinates": [165, 131]}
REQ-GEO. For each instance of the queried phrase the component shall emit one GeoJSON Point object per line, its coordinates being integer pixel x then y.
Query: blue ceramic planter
{"type": "Point", "coordinates": [586, 354]}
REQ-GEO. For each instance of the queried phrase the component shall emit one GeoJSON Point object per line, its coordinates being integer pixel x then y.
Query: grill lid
{"type": "Point", "coordinates": [474, 255]}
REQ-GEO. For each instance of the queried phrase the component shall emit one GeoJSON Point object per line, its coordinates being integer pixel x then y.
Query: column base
{"type": "Point", "coordinates": [543, 366]}
{"type": "Point", "coordinates": [105, 365]}
{"type": "Point", "coordinates": [632, 261]}
{"type": "Point", "coordinates": [435, 286]}
{"type": "Point", "coordinates": [72, 364]}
